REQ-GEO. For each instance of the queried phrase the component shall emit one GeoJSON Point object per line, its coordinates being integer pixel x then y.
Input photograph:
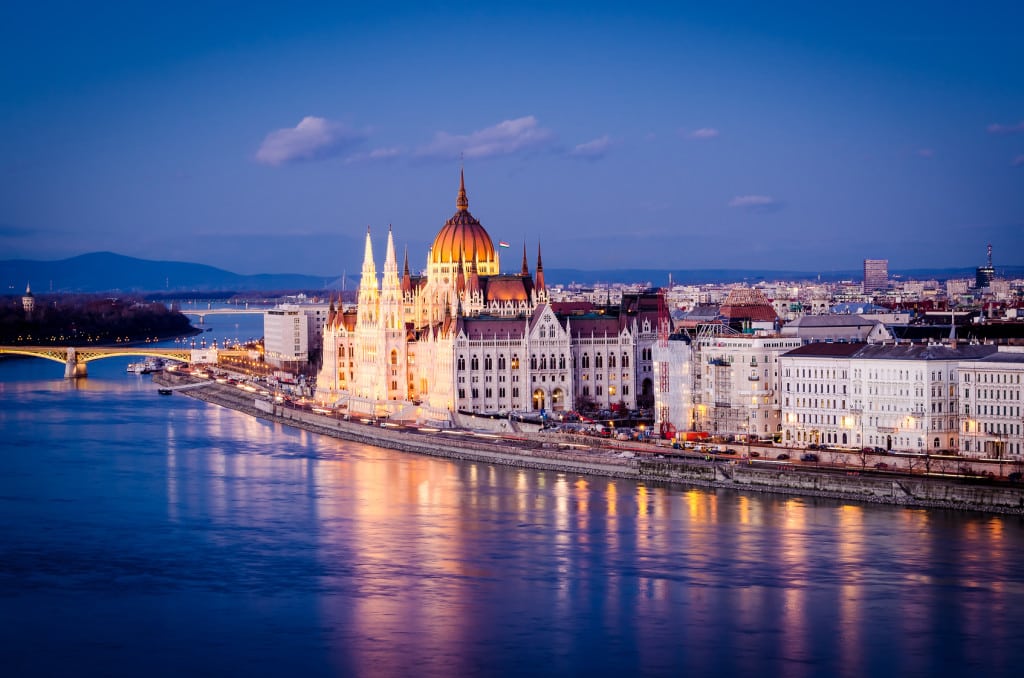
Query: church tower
{"type": "Point", "coordinates": [28, 302]}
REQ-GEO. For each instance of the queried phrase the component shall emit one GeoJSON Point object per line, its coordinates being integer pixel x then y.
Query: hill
{"type": "Point", "coordinates": [109, 272]}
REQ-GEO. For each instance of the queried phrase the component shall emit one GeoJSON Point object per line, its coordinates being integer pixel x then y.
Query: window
{"type": "Point", "coordinates": [625, 360]}
{"type": "Point", "coordinates": [586, 361]}
{"type": "Point", "coordinates": [501, 362]}
{"type": "Point", "coordinates": [515, 361]}
{"type": "Point", "coordinates": [461, 364]}
{"type": "Point", "coordinates": [533, 361]}
{"type": "Point", "coordinates": [474, 363]}
{"type": "Point", "coordinates": [561, 361]}
{"type": "Point", "coordinates": [488, 365]}
{"type": "Point", "coordinates": [599, 361]}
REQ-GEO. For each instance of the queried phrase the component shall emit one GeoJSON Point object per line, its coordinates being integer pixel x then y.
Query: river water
{"type": "Point", "coordinates": [152, 535]}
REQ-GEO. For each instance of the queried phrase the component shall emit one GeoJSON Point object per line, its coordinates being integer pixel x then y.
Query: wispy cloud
{"type": "Point", "coordinates": [506, 138]}
{"type": "Point", "coordinates": [996, 128]}
{"type": "Point", "coordinates": [926, 152]}
{"type": "Point", "coordinates": [1018, 161]}
{"type": "Point", "coordinates": [756, 203]}
{"type": "Point", "coordinates": [312, 139]}
{"type": "Point", "coordinates": [592, 150]}
{"type": "Point", "coordinates": [376, 154]}
{"type": "Point", "coordinates": [702, 133]}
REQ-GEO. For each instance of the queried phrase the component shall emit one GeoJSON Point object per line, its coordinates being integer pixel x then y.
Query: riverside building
{"type": "Point", "coordinates": [464, 337]}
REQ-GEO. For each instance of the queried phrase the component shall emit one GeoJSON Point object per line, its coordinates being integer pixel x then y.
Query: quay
{"type": "Point", "coordinates": [542, 451]}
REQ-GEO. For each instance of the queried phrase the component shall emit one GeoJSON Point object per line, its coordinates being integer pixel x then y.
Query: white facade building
{"type": "Point", "coordinates": [991, 407]}
{"type": "Point", "coordinates": [286, 336]}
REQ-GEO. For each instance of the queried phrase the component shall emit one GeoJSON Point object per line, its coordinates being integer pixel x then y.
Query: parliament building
{"type": "Point", "coordinates": [463, 336]}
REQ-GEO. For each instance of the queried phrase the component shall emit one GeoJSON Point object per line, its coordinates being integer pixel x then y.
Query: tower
{"type": "Point", "coordinates": [876, 275]}
{"type": "Point", "coordinates": [28, 302]}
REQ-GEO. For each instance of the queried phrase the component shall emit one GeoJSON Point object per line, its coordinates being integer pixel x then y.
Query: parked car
{"type": "Point", "coordinates": [809, 457]}
{"type": "Point", "coordinates": [783, 456]}
{"type": "Point", "coordinates": [881, 466]}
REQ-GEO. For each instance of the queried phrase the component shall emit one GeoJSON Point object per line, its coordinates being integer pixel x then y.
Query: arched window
{"type": "Point", "coordinates": [487, 362]}
{"type": "Point", "coordinates": [394, 357]}
{"type": "Point", "coordinates": [625, 360]}
{"type": "Point", "coordinates": [533, 361]}
{"type": "Point", "coordinates": [501, 362]}
{"type": "Point", "coordinates": [515, 361]}
{"type": "Point", "coordinates": [611, 360]}
{"type": "Point", "coordinates": [474, 363]}
{"type": "Point", "coordinates": [586, 361]}
{"type": "Point", "coordinates": [598, 361]}
{"type": "Point", "coordinates": [543, 362]}
{"type": "Point", "coordinates": [461, 363]}
{"type": "Point", "coordinates": [561, 361]}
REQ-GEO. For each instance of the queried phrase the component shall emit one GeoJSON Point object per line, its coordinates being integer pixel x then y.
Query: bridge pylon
{"type": "Point", "coordinates": [74, 367]}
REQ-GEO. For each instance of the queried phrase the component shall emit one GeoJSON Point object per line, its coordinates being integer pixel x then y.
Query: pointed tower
{"type": "Point", "coordinates": [462, 202]}
{"type": "Point", "coordinates": [369, 293]}
{"type": "Point", "coordinates": [391, 288]}
{"type": "Point", "coordinates": [28, 302]}
{"type": "Point", "coordinates": [525, 272]}
{"type": "Point", "coordinates": [540, 290]}
{"type": "Point", "coordinates": [406, 276]}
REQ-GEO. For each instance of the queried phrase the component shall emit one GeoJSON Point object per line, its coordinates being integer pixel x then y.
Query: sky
{"type": "Point", "coordinates": [265, 138]}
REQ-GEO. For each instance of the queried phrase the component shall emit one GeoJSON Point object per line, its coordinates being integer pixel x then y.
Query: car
{"type": "Point", "coordinates": [812, 446]}
{"type": "Point", "coordinates": [755, 454]}
{"type": "Point", "coordinates": [729, 451]}
{"type": "Point", "coordinates": [881, 466]}
{"type": "Point", "coordinates": [809, 457]}
{"type": "Point", "coordinates": [1014, 477]}
{"type": "Point", "coordinates": [783, 456]}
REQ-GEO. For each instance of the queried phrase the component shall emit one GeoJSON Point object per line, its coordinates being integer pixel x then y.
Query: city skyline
{"type": "Point", "coordinates": [258, 141]}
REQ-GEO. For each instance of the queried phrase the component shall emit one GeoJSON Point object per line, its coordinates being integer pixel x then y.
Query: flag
{"type": "Point", "coordinates": [502, 243]}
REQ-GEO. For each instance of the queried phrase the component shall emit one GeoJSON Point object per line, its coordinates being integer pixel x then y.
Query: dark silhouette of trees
{"type": "Point", "coordinates": [88, 319]}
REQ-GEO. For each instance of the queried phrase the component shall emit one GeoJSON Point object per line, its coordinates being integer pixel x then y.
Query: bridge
{"type": "Point", "coordinates": [202, 313]}
{"type": "Point", "coordinates": [75, 358]}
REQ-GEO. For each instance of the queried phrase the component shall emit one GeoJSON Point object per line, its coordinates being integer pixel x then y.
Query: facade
{"type": "Point", "coordinates": [674, 362]}
{"type": "Point", "coordinates": [991, 407]}
{"type": "Point", "coordinates": [286, 336]}
{"type": "Point", "coordinates": [876, 275]}
{"type": "Point", "coordinates": [737, 383]}
{"type": "Point", "coordinates": [893, 397]}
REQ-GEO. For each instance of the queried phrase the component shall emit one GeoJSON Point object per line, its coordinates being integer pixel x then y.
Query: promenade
{"type": "Point", "coordinates": [546, 451]}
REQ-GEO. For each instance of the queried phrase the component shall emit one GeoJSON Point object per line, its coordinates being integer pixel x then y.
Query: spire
{"type": "Point", "coordinates": [460, 278]}
{"type": "Point", "coordinates": [28, 288]}
{"type": "Point", "coordinates": [474, 278]}
{"type": "Point", "coordinates": [406, 277]}
{"type": "Point", "coordinates": [526, 267]}
{"type": "Point", "coordinates": [462, 202]}
{"type": "Point", "coordinates": [540, 271]}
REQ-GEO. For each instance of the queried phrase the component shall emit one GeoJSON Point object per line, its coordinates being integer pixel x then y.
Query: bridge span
{"type": "Point", "coordinates": [201, 313]}
{"type": "Point", "coordinates": [75, 358]}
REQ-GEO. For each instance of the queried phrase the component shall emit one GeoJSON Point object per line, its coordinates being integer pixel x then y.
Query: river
{"type": "Point", "coordinates": [152, 535]}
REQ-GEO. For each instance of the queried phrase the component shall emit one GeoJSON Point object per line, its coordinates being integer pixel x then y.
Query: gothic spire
{"type": "Point", "coordinates": [540, 271]}
{"type": "Point", "coordinates": [462, 202]}
{"type": "Point", "coordinates": [526, 267]}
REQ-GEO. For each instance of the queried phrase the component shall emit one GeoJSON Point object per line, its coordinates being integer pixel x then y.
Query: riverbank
{"type": "Point", "coordinates": [544, 451]}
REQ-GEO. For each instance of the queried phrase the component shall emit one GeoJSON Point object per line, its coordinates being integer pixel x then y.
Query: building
{"type": "Point", "coordinates": [736, 386]}
{"type": "Point", "coordinates": [673, 363]}
{"type": "Point", "coordinates": [984, 275]}
{"type": "Point", "coordinates": [465, 337]}
{"type": "Point", "coordinates": [848, 328]}
{"type": "Point", "coordinates": [895, 397]}
{"type": "Point", "coordinates": [876, 275]}
{"type": "Point", "coordinates": [991, 406]}
{"type": "Point", "coordinates": [286, 336]}
{"type": "Point", "coordinates": [28, 301]}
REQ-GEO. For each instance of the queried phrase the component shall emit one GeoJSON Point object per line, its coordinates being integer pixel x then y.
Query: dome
{"type": "Point", "coordinates": [462, 236]}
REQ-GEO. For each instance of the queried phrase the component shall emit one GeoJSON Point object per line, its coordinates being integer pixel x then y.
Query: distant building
{"type": "Point", "coordinates": [991, 405]}
{"type": "Point", "coordinates": [876, 275]}
{"type": "Point", "coordinates": [28, 302]}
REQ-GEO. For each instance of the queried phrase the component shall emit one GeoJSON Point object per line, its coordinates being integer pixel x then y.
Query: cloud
{"type": "Point", "coordinates": [375, 155]}
{"type": "Point", "coordinates": [926, 152]}
{"type": "Point", "coordinates": [312, 139]}
{"type": "Point", "coordinates": [1018, 161]}
{"type": "Point", "coordinates": [506, 138]}
{"type": "Point", "coordinates": [996, 128]}
{"type": "Point", "coordinates": [703, 133]}
{"type": "Point", "coordinates": [756, 203]}
{"type": "Point", "coordinates": [592, 150]}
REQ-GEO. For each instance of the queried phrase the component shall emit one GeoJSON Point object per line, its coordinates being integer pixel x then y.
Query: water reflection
{"type": "Point", "coordinates": [362, 561]}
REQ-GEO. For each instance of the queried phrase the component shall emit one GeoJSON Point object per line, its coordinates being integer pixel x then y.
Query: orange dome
{"type": "Point", "coordinates": [462, 237]}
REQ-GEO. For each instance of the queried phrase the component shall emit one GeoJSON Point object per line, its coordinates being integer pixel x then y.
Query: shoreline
{"type": "Point", "coordinates": [540, 453]}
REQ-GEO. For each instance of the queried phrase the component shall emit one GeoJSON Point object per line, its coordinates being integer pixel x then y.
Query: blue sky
{"type": "Point", "coordinates": [261, 138]}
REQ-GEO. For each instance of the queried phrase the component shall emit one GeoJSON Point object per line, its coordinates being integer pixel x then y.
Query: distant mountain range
{"type": "Point", "coordinates": [109, 272]}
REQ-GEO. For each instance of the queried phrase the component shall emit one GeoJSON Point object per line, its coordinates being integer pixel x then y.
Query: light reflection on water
{"type": "Point", "coordinates": [164, 536]}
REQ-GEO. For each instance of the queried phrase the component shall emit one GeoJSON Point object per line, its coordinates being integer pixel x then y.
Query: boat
{"type": "Point", "coordinates": [136, 368]}
{"type": "Point", "coordinates": [164, 391]}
